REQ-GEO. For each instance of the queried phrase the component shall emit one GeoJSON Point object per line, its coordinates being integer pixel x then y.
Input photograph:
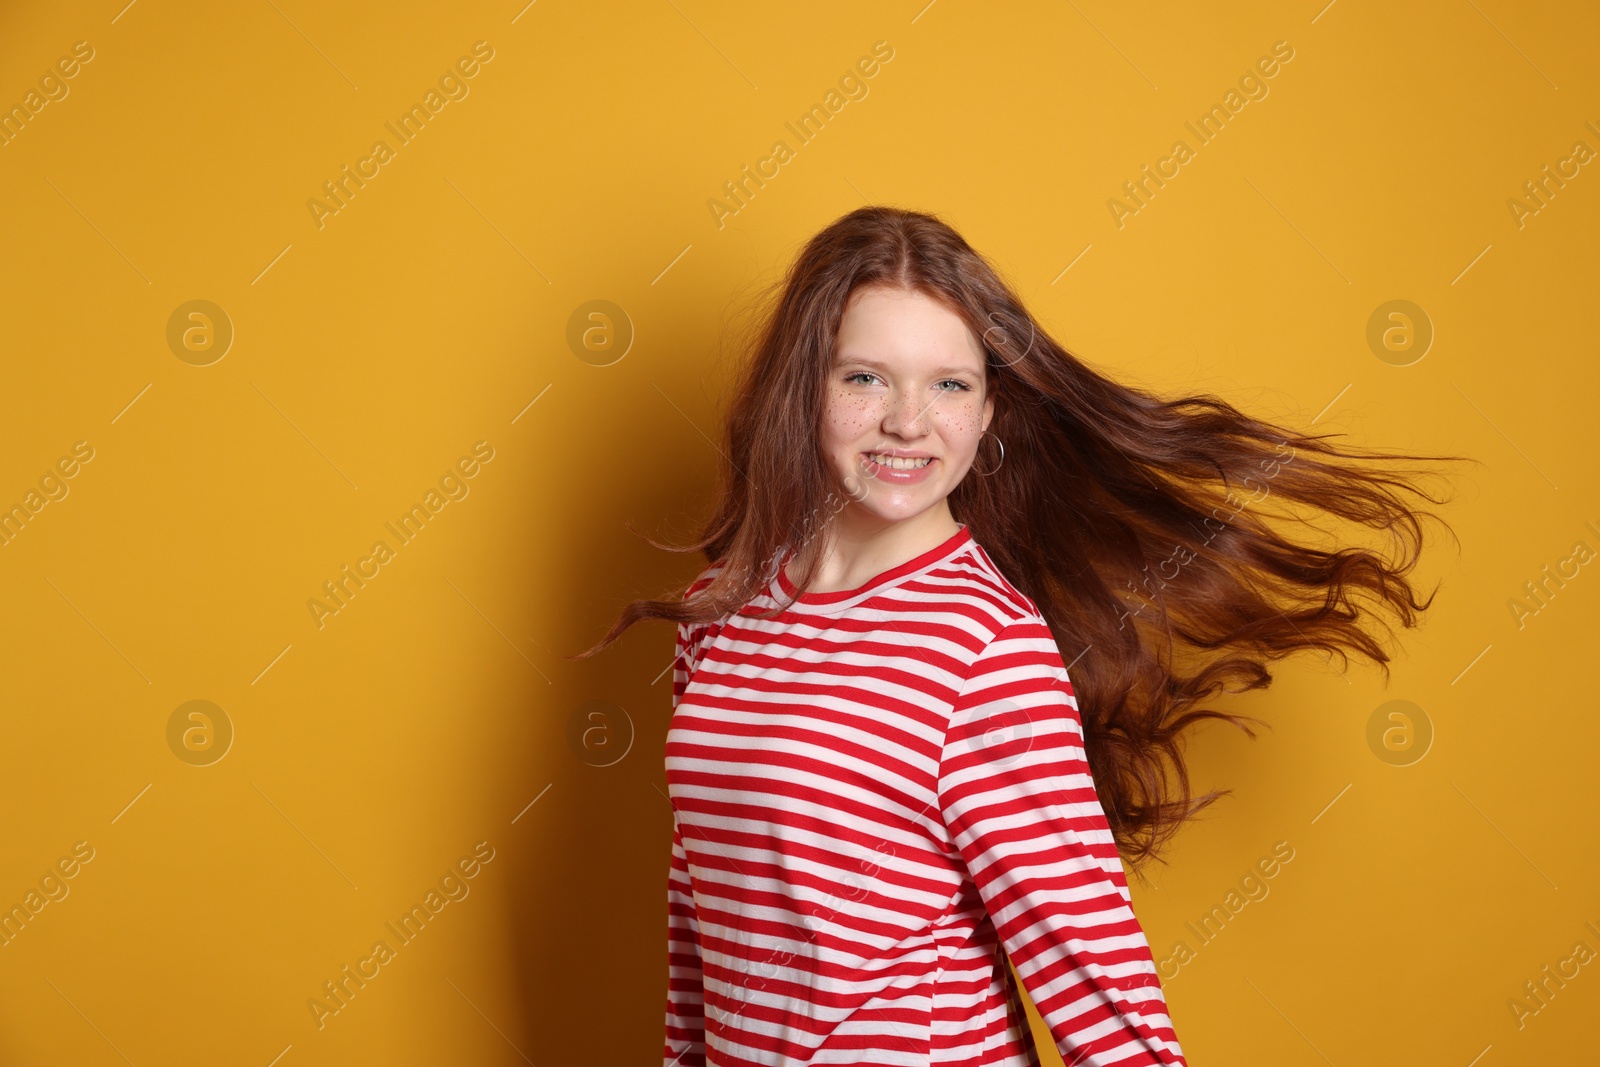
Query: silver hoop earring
{"type": "Point", "coordinates": [1002, 444]}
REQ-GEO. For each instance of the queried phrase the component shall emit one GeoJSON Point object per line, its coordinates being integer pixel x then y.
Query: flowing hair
{"type": "Point", "coordinates": [1136, 524]}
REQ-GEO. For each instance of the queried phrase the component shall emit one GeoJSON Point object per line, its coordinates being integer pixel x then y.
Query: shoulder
{"type": "Point", "coordinates": [1012, 642]}
{"type": "Point", "coordinates": [990, 599]}
{"type": "Point", "coordinates": [692, 634]}
{"type": "Point", "coordinates": [703, 579]}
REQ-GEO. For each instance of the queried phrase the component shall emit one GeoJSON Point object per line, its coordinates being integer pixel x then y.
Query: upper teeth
{"type": "Point", "coordinates": [900, 463]}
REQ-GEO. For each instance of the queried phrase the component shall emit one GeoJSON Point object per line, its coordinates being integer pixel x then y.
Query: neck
{"type": "Point", "coordinates": [857, 546]}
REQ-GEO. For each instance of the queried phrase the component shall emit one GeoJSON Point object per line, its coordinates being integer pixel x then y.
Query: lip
{"type": "Point", "coordinates": [890, 476]}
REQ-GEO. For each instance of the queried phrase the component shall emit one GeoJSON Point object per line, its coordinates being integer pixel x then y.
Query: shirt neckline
{"type": "Point", "coordinates": [883, 580]}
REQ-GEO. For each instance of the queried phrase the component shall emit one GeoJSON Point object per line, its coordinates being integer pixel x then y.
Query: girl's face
{"type": "Point", "coordinates": [908, 381]}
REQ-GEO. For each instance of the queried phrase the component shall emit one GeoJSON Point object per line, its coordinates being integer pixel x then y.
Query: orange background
{"type": "Point", "coordinates": [379, 752]}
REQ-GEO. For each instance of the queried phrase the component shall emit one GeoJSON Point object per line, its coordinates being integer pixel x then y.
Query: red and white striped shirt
{"type": "Point", "coordinates": [872, 794]}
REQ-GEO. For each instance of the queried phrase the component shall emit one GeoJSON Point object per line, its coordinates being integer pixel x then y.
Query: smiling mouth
{"type": "Point", "coordinates": [898, 463]}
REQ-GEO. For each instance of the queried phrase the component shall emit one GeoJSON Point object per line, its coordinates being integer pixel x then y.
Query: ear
{"type": "Point", "coordinates": [988, 408]}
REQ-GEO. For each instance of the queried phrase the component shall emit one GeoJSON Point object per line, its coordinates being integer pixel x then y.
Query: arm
{"type": "Point", "coordinates": [1017, 798]}
{"type": "Point", "coordinates": [686, 1022]}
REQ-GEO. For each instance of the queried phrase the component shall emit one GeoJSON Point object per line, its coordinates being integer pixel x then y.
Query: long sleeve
{"type": "Point", "coordinates": [685, 1017]}
{"type": "Point", "coordinates": [1019, 803]}
{"type": "Point", "coordinates": [686, 1020]}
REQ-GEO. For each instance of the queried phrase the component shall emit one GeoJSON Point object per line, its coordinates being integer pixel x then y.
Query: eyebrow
{"type": "Point", "coordinates": [875, 365]}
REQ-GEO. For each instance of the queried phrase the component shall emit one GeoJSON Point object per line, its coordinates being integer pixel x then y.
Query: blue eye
{"type": "Point", "coordinates": [958, 383]}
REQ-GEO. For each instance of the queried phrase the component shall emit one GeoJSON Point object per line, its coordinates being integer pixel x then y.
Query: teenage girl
{"type": "Point", "coordinates": [963, 595]}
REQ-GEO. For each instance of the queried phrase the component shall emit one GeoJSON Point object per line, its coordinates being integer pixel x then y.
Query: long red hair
{"type": "Point", "coordinates": [1140, 526]}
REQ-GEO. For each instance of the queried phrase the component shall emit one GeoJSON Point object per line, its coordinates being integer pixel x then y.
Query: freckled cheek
{"type": "Point", "coordinates": [961, 425]}
{"type": "Point", "coordinates": [849, 417]}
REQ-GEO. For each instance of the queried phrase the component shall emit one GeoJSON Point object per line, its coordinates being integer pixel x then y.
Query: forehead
{"type": "Point", "coordinates": [883, 325]}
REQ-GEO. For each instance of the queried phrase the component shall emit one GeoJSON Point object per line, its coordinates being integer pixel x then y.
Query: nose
{"type": "Point", "coordinates": [906, 416]}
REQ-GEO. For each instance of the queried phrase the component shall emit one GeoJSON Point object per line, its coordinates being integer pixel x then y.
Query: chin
{"type": "Point", "coordinates": [878, 504]}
